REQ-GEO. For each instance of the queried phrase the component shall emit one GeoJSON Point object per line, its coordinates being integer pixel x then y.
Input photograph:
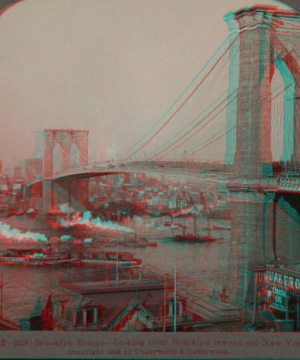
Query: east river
{"type": "Point", "coordinates": [199, 268]}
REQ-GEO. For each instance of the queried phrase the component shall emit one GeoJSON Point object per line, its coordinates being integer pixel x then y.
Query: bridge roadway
{"type": "Point", "coordinates": [214, 174]}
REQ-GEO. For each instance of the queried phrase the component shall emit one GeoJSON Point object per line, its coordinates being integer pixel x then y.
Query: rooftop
{"type": "Point", "coordinates": [67, 130]}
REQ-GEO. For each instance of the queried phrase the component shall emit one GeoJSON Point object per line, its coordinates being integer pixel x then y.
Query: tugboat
{"type": "Point", "coordinates": [135, 243]}
{"type": "Point", "coordinates": [143, 242]}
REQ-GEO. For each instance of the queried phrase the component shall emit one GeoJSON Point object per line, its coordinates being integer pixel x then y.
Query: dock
{"type": "Point", "coordinates": [220, 315]}
{"type": "Point", "coordinates": [122, 286]}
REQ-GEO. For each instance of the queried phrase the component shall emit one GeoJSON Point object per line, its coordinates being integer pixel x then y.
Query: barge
{"type": "Point", "coordinates": [108, 257]}
{"type": "Point", "coordinates": [40, 257]}
{"type": "Point", "coordinates": [195, 239]}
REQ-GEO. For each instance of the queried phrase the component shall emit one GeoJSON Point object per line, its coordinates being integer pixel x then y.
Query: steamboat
{"type": "Point", "coordinates": [195, 237]}
{"type": "Point", "coordinates": [35, 257]}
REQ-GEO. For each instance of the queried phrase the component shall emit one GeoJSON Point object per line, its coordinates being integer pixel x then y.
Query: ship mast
{"type": "Point", "coordinates": [165, 294]}
{"type": "Point", "coordinates": [195, 224]}
{"type": "Point", "coordinates": [1, 287]}
{"type": "Point", "coordinates": [117, 269]}
{"type": "Point", "coordinates": [175, 304]}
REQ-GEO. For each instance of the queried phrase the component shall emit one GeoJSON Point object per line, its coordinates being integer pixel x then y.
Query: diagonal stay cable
{"type": "Point", "coordinates": [189, 124]}
{"type": "Point", "coordinates": [199, 123]}
{"type": "Point", "coordinates": [185, 101]}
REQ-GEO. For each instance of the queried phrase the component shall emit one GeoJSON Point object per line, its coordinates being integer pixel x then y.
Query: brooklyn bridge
{"type": "Point", "coordinates": [263, 186]}
{"type": "Point", "coordinates": [251, 91]}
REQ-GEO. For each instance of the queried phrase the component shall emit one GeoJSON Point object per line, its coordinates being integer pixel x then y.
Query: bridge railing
{"type": "Point", "coordinates": [185, 165]}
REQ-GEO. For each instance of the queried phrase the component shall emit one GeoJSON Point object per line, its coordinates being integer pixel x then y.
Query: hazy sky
{"type": "Point", "coordinates": [110, 67]}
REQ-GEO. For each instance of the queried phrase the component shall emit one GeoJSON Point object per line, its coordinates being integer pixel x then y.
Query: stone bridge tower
{"type": "Point", "coordinates": [63, 150]}
{"type": "Point", "coordinates": [268, 39]}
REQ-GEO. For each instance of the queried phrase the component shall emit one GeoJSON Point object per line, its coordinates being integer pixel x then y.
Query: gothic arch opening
{"type": "Point", "coordinates": [282, 121]}
{"type": "Point", "coordinates": [277, 115]}
{"type": "Point", "coordinates": [60, 158]}
{"type": "Point", "coordinates": [74, 156]}
{"type": "Point", "coordinates": [47, 161]}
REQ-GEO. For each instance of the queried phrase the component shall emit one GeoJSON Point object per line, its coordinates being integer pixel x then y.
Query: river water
{"type": "Point", "coordinates": [199, 268]}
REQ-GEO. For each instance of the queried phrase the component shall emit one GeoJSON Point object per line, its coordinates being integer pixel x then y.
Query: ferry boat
{"type": "Point", "coordinates": [35, 257]}
{"type": "Point", "coordinates": [108, 257]}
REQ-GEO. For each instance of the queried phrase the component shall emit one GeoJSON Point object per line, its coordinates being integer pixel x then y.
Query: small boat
{"type": "Point", "coordinates": [153, 243]}
{"type": "Point", "coordinates": [35, 257]}
{"type": "Point", "coordinates": [134, 244]}
{"type": "Point", "coordinates": [222, 214]}
{"type": "Point", "coordinates": [217, 228]}
{"type": "Point", "coordinates": [138, 244]}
